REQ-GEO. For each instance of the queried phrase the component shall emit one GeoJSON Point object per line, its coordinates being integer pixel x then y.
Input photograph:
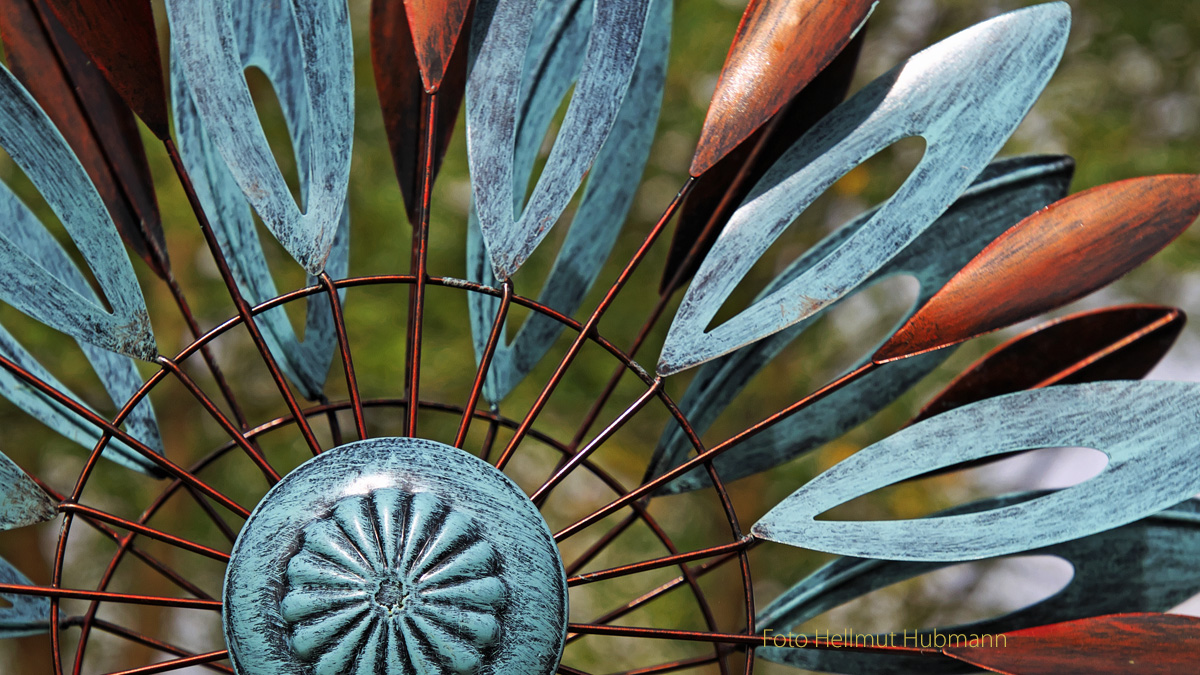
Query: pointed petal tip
{"type": "Point", "coordinates": [1055, 248]}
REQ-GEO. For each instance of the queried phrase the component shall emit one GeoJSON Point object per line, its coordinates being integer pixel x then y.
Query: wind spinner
{"type": "Point", "coordinates": [401, 544]}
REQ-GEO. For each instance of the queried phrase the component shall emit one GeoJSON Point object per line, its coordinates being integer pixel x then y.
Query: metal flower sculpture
{"type": "Point", "coordinates": [421, 546]}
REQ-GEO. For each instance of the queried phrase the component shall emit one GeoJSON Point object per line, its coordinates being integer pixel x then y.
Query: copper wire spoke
{"type": "Point", "coordinates": [252, 452]}
{"type": "Point", "coordinates": [339, 321]}
{"type": "Point", "coordinates": [696, 572]}
{"type": "Point", "coordinates": [587, 329]}
{"type": "Point", "coordinates": [145, 641]}
{"type": "Point", "coordinates": [178, 542]}
{"type": "Point", "coordinates": [485, 363]}
{"type": "Point", "coordinates": [673, 666]}
{"type": "Point", "coordinates": [78, 594]}
{"type": "Point", "coordinates": [658, 563]}
{"type": "Point", "coordinates": [707, 456]}
{"type": "Point", "coordinates": [188, 478]}
{"type": "Point", "coordinates": [235, 294]}
{"type": "Point", "coordinates": [601, 543]}
{"type": "Point", "coordinates": [543, 492]}
{"type": "Point", "coordinates": [175, 664]}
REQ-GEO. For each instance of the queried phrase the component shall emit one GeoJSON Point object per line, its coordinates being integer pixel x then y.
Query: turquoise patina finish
{"type": "Point", "coordinates": [22, 502]}
{"type": "Point", "coordinates": [390, 571]}
{"type": "Point", "coordinates": [25, 614]}
{"type": "Point", "coordinates": [551, 67]}
{"type": "Point", "coordinates": [396, 556]}
{"type": "Point", "coordinates": [964, 95]}
{"type": "Point", "coordinates": [1006, 191]}
{"type": "Point", "coordinates": [1146, 566]}
{"type": "Point", "coordinates": [266, 37]}
{"type": "Point", "coordinates": [31, 276]}
{"type": "Point", "coordinates": [1149, 430]}
{"type": "Point", "coordinates": [494, 92]}
{"type": "Point", "coordinates": [118, 373]}
{"type": "Point", "coordinates": [214, 41]}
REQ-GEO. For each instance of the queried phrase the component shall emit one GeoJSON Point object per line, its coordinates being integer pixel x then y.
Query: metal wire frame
{"type": "Point", "coordinates": [189, 480]}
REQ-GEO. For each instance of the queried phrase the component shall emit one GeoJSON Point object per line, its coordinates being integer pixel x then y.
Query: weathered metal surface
{"type": "Point", "coordinates": [42, 292]}
{"type": "Point", "coordinates": [964, 95]}
{"type": "Point", "coordinates": [305, 49]}
{"type": "Point", "coordinates": [261, 29]}
{"type": "Point", "coordinates": [119, 36]}
{"type": "Point", "coordinates": [1115, 343]}
{"type": "Point", "coordinates": [118, 373]}
{"type": "Point", "coordinates": [551, 66]}
{"type": "Point", "coordinates": [1145, 428]}
{"type": "Point", "coordinates": [1070, 249]}
{"type": "Point", "coordinates": [1129, 644]}
{"type": "Point", "coordinates": [92, 117]}
{"type": "Point", "coordinates": [435, 28]}
{"type": "Point", "coordinates": [119, 376]}
{"type": "Point", "coordinates": [720, 189]}
{"type": "Point", "coordinates": [1005, 192]}
{"type": "Point", "coordinates": [22, 502]}
{"type": "Point", "coordinates": [398, 556]}
{"type": "Point", "coordinates": [779, 48]}
{"type": "Point", "coordinates": [25, 614]}
{"type": "Point", "coordinates": [494, 93]}
{"type": "Point", "coordinates": [1146, 566]}
{"type": "Point", "coordinates": [427, 564]}
{"type": "Point", "coordinates": [402, 93]}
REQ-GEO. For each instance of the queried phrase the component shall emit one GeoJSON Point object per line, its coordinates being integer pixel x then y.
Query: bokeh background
{"type": "Point", "coordinates": [1123, 103]}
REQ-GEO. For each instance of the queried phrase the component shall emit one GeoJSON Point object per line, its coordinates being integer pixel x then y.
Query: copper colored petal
{"type": "Point", "coordinates": [1115, 343]}
{"type": "Point", "coordinates": [398, 80]}
{"type": "Point", "coordinates": [119, 36]}
{"type": "Point", "coordinates": [780, 46]}
{"type": "Point", "coordinates": [1051, 258]}
{"type": "Point", "coordinates": [435, 27]}
{"type": "Point", "coordinates": [1130, 644]}
{"type": "Point", "coordinates": [98, 126]}
{"type": "Point", "coordinates": [722, 188]}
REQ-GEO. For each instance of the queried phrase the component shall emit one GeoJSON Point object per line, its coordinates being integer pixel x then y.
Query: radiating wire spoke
{"type": "Point", "coordinates": [113, 431]}
{"type": "Point", "coordinates": [587, 329]}
{"type": "Point", "coordinates": [743, 639]}
{"type": "Point", "coordinates": [252, 452]}
{"type": "Point", "coordinates": [339, 322]}
{"type": "Point", "coordinates": [178, 542]}
{"type": "Point", "coordinates": [176, 664]}
{"type": "Point", "coordinates": [673, 666]}
{"type": "Point", "coordinates": [658, 563]}
{"type": "Point", "coordinates": [126, 598]}
{"type": "Point", "coordinates": [239, 300]}
{"type": "Point", "coordinates": [420, 259]}
{"type": "Point", "coordinates": [697, 572]}
{"type": "Point", "coordinates": [485, 362]}
{"type": "Point", "coordinates": [711, 454]}
{"type": "Point", "coordinates": [540, 495]}
{"type": "Point", "coordinates": [154, 563]}
{"type": "Point", "coordinates": [601, 543]}
{"type": "Point", "coordinates": [146, 641]}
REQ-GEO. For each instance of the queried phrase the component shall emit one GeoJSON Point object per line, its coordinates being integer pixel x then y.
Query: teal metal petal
{"type": "Point", "coordinates": [494, 94]}
{"type": "Point", "coordinates": [552, 64]}
{"type": "Point", "coordinates": [265, 34]}
{"type": "Point", "coordinates": [27, 614]}
{"type": "Point", "coordinates": [1145, 566]}
{"type": "Point", "coordinates": [965, 96]}
{"type": "Point", "coordinates": [22, 502]}
{"type": "Point", "coordinates": [1006, 191]}
{"type": "Point", "coordinates": [1148, 430]}
{"type": "Point", "coordinates": [305, 49]}
{"type": "Point", "coordinates": [118, 373]}
{"type": "Point", "coordinates": [30, 278]}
